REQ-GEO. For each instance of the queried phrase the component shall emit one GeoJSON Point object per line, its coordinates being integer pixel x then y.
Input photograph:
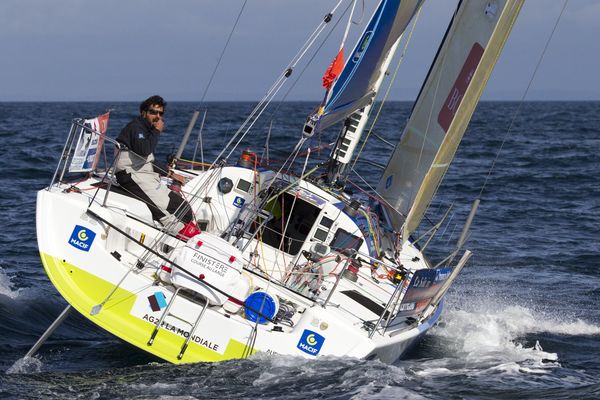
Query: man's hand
{"type": "Point", "coordinates": [176, 177]}
{"type": "Point", "coordinates": [159, 125]}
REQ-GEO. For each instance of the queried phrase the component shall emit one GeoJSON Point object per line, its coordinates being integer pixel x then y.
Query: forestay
{"type": "Point", "coordinates": [445, 104]}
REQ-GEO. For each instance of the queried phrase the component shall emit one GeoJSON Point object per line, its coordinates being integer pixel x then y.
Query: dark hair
{"type": "Point", "coordinates": [156, 100]}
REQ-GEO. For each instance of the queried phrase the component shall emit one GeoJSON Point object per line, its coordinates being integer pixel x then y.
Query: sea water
{"type": "Point", "coordinates": [522, 320]}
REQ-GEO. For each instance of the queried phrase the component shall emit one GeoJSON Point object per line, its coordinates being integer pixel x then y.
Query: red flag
{"type": "Point", "coordinates": [102, 126]}
{"type": "Point", "coordinates": [334, 70]}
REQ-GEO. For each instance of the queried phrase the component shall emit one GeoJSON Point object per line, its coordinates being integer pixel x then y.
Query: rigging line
{"type": "Point", "coordinates": [441, 235]}
{"type": "Point", "coordinates": [286, 73]}
{"type": "Point", "coordinates": [218, 157]}
{"type": "Point", "coordinates": [316, 32]}
{"type": "Point", "coordinates": [451, 234]}
{"type": "Point", "coordinates": [249, 127]}
{"type": "Point", "coordinates": [299, 75]}
{"type": "Point", "coordinates": [223, 52]}
{"type": "Point", "coordinates": [381, 139]}
{"type": "Point", "coordinates": [279, 171]}
{"type": "Point", "coordinates": [377, 197]}
{"type": "Point", "coordinates": [522, 101]}
{"type": "Point", "coordinates": [279, 83]}
{"type": "Point", "coordinates": [294, 156]}
{"type": "Point", "coordinates": [291, 159]}
{"type": "Point", "coordinates": [316, 148]}
{"type": "Point", "coordinates": [362, 14]}
{"type": "Point", "coordinates": [264, 104]}
{"type": "Point", "coordinates": [260, 106]}
{"type": "Point", "coordinates": [387, 92]}
{"type": "Point", "coordinates": [343, 42]}
{"type": "Point", "coordinates": [296, 150]}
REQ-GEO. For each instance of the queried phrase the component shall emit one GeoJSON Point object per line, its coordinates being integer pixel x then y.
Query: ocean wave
{"type": "Point", "coordinates": [494, 336]}
{"type": "Point", "coordinates": [498, 339]}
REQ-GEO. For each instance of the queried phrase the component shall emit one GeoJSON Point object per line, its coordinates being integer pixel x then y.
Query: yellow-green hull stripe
{"type": "Point", "coordinates": [84, 290]}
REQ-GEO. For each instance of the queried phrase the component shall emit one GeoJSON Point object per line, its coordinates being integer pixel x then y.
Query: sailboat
{"type": "Point", "coordinates": [287, 261]}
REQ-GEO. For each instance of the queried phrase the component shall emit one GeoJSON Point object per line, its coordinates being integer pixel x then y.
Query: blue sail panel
{"type": "Point", "coordinates": [355, 86]}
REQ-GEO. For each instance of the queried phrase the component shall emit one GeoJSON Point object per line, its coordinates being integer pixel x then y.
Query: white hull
{"type": "Point", "coordinates": [89, 255]}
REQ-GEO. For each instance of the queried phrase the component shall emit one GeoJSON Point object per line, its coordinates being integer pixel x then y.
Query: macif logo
{"type": "Point", "coordinates": [311, 342]}
{"type": "Point", "coordinates": [239, 201]}
{"type": "Point", "coordinates": [82, 238]}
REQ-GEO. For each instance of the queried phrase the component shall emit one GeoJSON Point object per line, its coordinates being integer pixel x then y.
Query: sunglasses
{"type": "Point", "coordinates": [155, 112]}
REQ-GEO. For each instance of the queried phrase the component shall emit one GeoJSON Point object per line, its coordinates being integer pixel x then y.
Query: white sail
{"type": "Point", "coordinates": [444, 107]}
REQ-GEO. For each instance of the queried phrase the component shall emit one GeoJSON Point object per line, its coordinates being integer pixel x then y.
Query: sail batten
{"type": "Point", "coordinates": [444, 107]}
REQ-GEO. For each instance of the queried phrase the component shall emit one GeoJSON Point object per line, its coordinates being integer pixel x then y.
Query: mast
{"type": "Point", "coordinates": [353, 129]}
{"type": "Point", "coordinates": [460, 71]}
{"type": "Point", "coordinates": [351, 96]}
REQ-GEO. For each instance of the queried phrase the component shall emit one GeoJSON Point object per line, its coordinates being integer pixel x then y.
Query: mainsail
{"type": "Point", "coordinates": [444, 107]}
{"type": "Point", "coordinates": [355, 85]}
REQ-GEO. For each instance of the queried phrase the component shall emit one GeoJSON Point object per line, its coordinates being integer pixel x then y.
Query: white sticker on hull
{"type": "Point", "coordinates": [184, 333]}
{"type": "Point", "coordinates": [150, 305]}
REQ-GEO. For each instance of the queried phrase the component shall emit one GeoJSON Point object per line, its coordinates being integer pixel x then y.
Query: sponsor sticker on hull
{"type": "Point", "coordinates": [311, 342]}
{"type": "Point", "coordinates": [151, 304]}
{"type": "Point", "coordinates": [82, 238]}
{"type": "Point", "coordinates": [238, 201]}
{"type": "Point", "coordinates": [157, 301]}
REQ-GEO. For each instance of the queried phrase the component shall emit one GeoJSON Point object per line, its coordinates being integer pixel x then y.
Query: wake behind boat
{"type": "Point", "coordinates": [287, 261]}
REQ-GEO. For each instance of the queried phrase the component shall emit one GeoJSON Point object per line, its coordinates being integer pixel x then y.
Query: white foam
{"type": "Point", "coordinates": [435, 371]}
{"type": "Point", "coordinates": [25, 365]}
{"type": "Point", "coordinates": [373, 391]}
{"type": "Point", "coordinates": [518, 320]}
{"type": "Point", "coordinates": [489, 339]}
{"type": "Point", "coordinates": [157, 386]}
{"type": "Point", "coordinates": [370, 377]}
{"type": "Point", "coordinates": [577, 327]}
{"type": "Point", "coordinates": [6, 288]}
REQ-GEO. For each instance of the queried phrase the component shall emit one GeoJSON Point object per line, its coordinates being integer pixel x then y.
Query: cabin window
{"type": "Point", "coordinates": [243, 185]}
{"type": "Point", "coordinates": [326, 222]}
{"type": "Point", "coordinates": [345, 240]}
{"type": "Point", "coordinates": [299, 222]}
{"type": "Point", "coordinates": [321, 235]}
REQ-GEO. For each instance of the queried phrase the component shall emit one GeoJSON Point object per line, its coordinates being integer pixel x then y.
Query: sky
{"type": "Point", "coordinates": [126, 50]}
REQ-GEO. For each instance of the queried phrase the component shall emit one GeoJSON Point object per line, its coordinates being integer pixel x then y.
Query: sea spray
{"type": "Point", "coordinates": [495, 338]}
{"type": "Point", "coordinates": [25, 365]}
{"type": "Point", "coordinates": [6, 286]}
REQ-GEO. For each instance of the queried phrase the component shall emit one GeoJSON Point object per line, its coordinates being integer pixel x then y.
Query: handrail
{"type": "Point", "coordinates": [67, 155]}
{"type": "Point", "coordinates": [64, 155]}
{"type": "Point", "coordinates": [337, 281]}
{"type": "Point", "coordinates": [394, 299]}
{"type": "Point", "coordinates": [389, 303]}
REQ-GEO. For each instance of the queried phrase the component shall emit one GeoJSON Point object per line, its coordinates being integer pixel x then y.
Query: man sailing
{"type": "Point", "coordinates": [137, 173]}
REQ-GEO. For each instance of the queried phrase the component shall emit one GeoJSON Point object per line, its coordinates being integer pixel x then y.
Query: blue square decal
{"type": "Point", "coordinates": [82, 238]}
{"type": "Point", "coordinates": [239, 201]}
{"type": "Point", "coordinates": [311, 342]}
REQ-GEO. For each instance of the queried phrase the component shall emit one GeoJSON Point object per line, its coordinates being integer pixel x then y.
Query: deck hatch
{"type": "Point", "coordinates": [366, 302]}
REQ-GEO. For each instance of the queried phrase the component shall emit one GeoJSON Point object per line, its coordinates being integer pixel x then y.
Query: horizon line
{"type": "Point", "coordinates": [293, 101]}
